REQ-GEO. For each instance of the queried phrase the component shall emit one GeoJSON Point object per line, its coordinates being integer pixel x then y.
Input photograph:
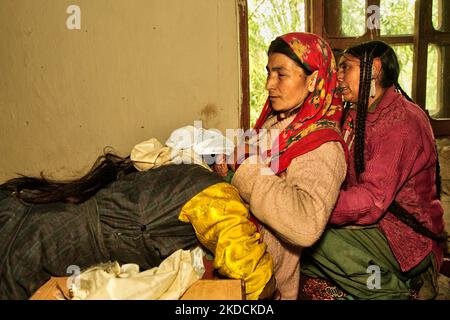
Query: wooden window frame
{"type": "Point", "coordinates": [316, 22]}
{"type": "Point", "coordinates": [245, 64]}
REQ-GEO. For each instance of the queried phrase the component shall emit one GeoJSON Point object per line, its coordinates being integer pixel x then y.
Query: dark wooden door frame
{"type": "Point", "coordinates": [245, 70]}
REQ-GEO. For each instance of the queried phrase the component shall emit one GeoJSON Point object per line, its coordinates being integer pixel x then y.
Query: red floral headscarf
{"type": "Point", "coordinates": [317, 121]}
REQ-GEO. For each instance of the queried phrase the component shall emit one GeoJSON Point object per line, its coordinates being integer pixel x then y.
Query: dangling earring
{"type": "Point", "coordinates": [314, 82]}
{"type": "Point", "coordinates": [373, 91]}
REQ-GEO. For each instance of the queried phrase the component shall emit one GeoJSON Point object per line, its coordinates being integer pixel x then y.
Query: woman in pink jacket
{"type": "Point", "coordinates": [386, 239]}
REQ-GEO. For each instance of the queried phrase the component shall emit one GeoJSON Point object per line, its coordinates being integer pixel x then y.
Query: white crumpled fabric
{"type": "Point", "coordinates": [150, 154]}
{"type": "Point", "coordinates": [185, 145]}
{"type": "Point", "coordinates": [168, 281]}
{"type": "Point", "coordinates": [202, 141]}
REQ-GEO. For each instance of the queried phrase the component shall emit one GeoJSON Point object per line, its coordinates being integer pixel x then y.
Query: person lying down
{"type": "Point", "coordinates": [117, 213]}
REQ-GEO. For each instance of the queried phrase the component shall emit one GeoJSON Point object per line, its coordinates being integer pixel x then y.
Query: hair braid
{"type": "Point", "coordinates": [438, 177]}
{"type": "Point", "coordinates": [361, 112]}
{"type": "Point", "coordinates": [399, 88]}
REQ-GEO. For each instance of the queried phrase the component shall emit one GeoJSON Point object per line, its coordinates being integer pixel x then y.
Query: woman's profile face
{"type": "Point", "coordinates": [286, 83]}
{"type": "Point", "coordinates": [348, 77]}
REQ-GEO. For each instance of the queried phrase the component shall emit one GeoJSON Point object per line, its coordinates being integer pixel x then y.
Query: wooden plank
{"type": "Point", "coordinates": [315, 17]}
{"type": "Point", "coordinates": [440, 38]}
{"type": "Point", "coordinates": [54, 289]}
{"type": "Point", "coordinates": [441, 127]}
{"type": "Point", "coordinates": [226, 289]}
{"type": "Point", "coordinates": [215, 290]}
{"type": "Point", "coordinates": [333, 18]}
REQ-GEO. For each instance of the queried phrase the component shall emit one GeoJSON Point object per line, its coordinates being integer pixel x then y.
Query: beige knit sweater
{"type": "Point", "coordinates": [294, 206]}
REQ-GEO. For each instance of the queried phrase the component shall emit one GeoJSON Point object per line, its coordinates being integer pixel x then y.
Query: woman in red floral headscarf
{"type": "Point", "coordinates": [292, 180]}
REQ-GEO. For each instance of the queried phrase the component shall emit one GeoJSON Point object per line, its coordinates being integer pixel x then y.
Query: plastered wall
{"type": "Point", "coordinates": [135, 69]}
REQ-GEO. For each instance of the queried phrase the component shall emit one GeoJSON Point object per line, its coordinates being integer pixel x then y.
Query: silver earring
{"type": "Point", "coordinates": [372, 92]}
{"type": "Point", "coordinates": [315, 80]}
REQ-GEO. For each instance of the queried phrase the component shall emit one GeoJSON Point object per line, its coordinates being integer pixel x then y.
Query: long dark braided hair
{"type": "Point", "coordinates": [366, 52]}
{"type": "Point", "coordinates": [107, 168]}
{"type": "Point", "coordinates": [365, 74]}
{"type": "Point", "coordinates": [390, 70]}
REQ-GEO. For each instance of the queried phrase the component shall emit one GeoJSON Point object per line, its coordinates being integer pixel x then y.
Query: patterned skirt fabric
{"type": "Point", "coordinates": [320, 289]}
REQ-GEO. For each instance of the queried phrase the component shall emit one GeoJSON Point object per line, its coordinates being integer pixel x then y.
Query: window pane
{"type": "Point", "coordinates": [441, 14]}
{"type": "Point", "coordinates": [353, 17]}
{"type": "Point", "coordinates": [432, 85]}
{"type": "Point", "coordinates": [405, 59]}
{"type": "Point", "coordinates": [438, 81]}
{"type": "Point", "coordinates": [397, 17]}
{"type": "Point", "coordinates": [268, 19]}
{"type": "Point", "coordinates": [437, 14]}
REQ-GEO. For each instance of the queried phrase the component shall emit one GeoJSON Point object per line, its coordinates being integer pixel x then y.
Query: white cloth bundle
{"type": "Point", "coordinates": [169, 281]}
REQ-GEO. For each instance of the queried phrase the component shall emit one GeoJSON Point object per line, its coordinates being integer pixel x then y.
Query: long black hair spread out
{"type": "Point", "coordinates": [106, 169]}
{"type": "Point", "coordinates": [390, 70]}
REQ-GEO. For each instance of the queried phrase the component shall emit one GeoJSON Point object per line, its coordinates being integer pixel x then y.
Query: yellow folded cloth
{"type": "Point", "coordinates": [221, 222]}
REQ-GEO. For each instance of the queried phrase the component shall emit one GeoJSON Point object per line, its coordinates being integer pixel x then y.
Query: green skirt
{"type": "Point", "coordinates": [360, 262]}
